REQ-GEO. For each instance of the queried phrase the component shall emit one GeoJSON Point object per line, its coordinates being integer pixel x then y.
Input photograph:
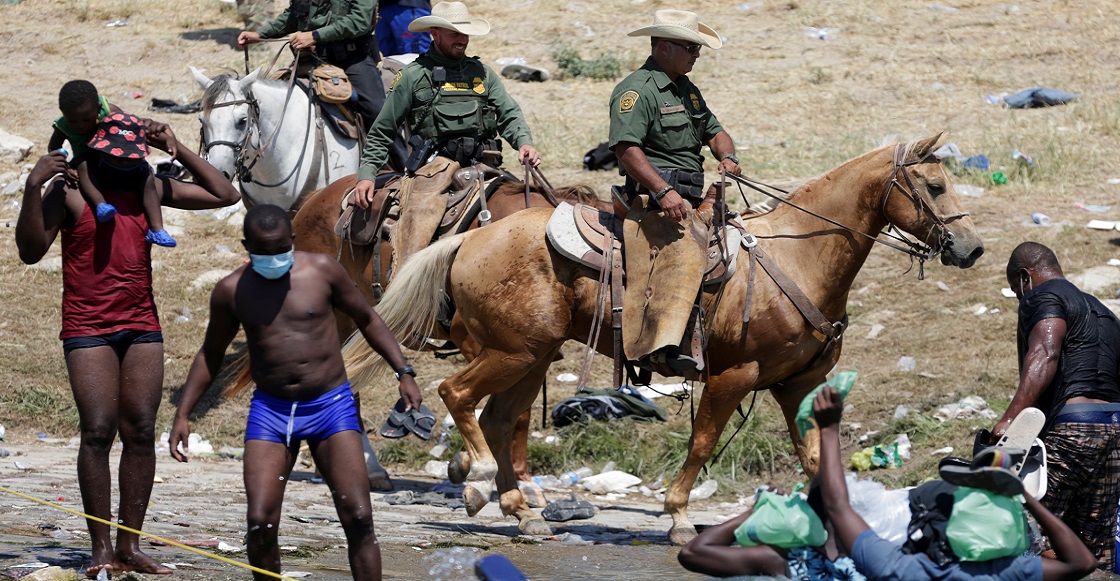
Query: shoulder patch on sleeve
{"type": "Point", "coordinates": [396, 78]}
{"type": "Point", "coordinates": [627, 101]}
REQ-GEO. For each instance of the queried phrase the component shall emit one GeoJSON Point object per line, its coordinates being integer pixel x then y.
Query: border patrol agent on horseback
{"type": "Point", "coordinates": [456, 107]}
{"type": "Point", "coordinates": [339, 33]}
{"type": "Point", "coordinates": [659, 123]}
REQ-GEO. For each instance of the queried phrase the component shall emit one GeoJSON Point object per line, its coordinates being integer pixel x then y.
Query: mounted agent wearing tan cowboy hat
{"type": "Point", "coordinates": [659, 125]}
{"type": "Point", "coordinates": [456, 107]}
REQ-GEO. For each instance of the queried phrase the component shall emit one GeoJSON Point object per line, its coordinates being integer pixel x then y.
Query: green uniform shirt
{"type": "Point", "coordinates": [80, 143]}
{"type": "Point", "coordinates": [669, 121]}
{"type": "Point", "coordinates": [334, 19]}
{"type": "Point", "coordinates": [412, 91]}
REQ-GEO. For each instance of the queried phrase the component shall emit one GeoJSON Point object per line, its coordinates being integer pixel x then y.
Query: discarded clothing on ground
{"type": "Point", "coordinates": [1038, 97]}
{"type": "Point", "coordinates": [404, 497]}
{"type": "Point", "coordinates": [602, 404]}
{"type": "Point", "coordinates": [568, 509]}
{"type": "Point", "coordinates": [601, 157]}
{"type": "Point", "coordinates": [169, 106]}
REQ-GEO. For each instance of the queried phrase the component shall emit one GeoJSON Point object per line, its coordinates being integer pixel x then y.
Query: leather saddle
{"type": "Point", "coordinates": [464, 204]}
{"type": "Point", "coordinates": [584, 234]}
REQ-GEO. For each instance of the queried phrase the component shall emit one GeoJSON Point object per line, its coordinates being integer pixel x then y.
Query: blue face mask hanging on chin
{"type": "Point", "coordinates": [272, 266]}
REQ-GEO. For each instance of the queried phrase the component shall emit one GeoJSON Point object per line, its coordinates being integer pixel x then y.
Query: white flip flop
{"type": "Point", "coordinates": [1033, 472]}
{"type": "Point", "coordinates": [1023, 432]}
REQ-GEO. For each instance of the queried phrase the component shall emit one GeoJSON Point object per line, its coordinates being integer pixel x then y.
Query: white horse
{"type": "Point", "coordinates": [265, 134]}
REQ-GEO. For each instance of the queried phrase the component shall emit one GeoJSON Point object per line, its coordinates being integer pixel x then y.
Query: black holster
{"type": "Point", "coordinates": [422, 149]}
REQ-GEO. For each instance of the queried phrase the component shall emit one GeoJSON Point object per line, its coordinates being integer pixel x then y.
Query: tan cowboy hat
{"type": "Point", "coordinates": [452, 16]}
{"type": "Point", "coordinates": [680, 25]}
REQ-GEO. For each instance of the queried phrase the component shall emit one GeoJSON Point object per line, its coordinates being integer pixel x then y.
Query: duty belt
{"type": "Point", "coordinates": [690, 185]}
{"type": "Point", "coordinates": [467, 150]}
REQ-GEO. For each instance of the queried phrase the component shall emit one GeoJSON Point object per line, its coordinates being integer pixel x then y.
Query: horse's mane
{"type": "Point", "coordinates": [221, 86]}
{"type": "Point", "coordinates": [581, 193]}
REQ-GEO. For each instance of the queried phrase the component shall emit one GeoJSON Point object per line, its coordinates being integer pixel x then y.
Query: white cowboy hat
{"type": "Point", "coordinates": [452, 16]}
{"type": "Point", "coordinates": [680, 25]}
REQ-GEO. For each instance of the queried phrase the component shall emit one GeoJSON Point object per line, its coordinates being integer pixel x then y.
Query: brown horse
{"type": "Point", "coordinates": [520, 300]}
{"type": "Point", "coordinates": [314, 224]}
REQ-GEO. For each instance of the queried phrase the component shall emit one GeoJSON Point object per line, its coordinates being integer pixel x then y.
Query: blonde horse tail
{"type": "Point", "coordinates": [410, 308]}
{"type": "Point", "coordinates": [242, 379]}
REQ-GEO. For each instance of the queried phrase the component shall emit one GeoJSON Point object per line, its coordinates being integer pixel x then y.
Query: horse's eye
{"type": "Point", "coordinates": [936, 188]}
{"type": "Point", "coordinates": [242, 122]}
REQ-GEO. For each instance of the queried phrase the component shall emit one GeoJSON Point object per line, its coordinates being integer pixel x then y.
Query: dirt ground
{"type": "Point", "coordinates": [797, 105]}
{"type": "Point", "coordinates": [204, 501]}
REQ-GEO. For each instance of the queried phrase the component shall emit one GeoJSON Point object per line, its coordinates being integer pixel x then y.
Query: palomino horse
{"type": "Point", "coordinates": [264, 135]}
{"type": "Point", "coordinates": [314, 224]}
{"type": "Point", "coordinates": [520, 300]}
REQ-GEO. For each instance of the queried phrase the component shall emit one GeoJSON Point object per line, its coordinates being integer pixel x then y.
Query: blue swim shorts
{"type": "Point", "coordinates": [290, 422]}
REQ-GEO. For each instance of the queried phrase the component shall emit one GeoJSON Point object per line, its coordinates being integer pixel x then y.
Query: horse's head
{"type": "Point", "coordinates": [228, 117]}
{"type": "Point", "coordinates": [920, 200]}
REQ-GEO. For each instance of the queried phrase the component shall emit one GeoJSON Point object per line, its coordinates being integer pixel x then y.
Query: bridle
{"type": "Point", "coordinates": [244, 169]}
{"type": "Point", "coordinates": [916, 250]}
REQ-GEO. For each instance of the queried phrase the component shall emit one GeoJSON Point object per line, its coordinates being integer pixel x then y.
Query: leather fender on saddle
{"type": "Point", "coordinates": [579, 233]}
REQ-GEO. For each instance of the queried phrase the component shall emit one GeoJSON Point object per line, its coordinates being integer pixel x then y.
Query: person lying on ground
{"type": "Point", "coordinates": [880, 560]}
{"type": "Point", "coordinates": [716, 552]}
{"type": "Point", "coordinates": [286, 301]}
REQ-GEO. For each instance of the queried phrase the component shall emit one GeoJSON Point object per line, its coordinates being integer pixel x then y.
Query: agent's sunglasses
{"type": "Point", "coordinates": [690, 48]}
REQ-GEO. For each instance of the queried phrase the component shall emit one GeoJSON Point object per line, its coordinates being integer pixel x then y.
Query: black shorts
{"type": "Point", "coordinates": [119, 341]}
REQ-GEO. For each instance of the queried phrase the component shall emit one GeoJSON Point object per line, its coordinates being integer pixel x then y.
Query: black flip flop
{"type": "Point", "coordinates": [394, 427]}
{"type": "Point", "coordinates": [420, 422]}
{"type": "Point", "coordinates": [987, 471]}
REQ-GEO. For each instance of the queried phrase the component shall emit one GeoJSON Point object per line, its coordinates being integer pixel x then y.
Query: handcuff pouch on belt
{"type": "Point", "coordinates": [690, 185]}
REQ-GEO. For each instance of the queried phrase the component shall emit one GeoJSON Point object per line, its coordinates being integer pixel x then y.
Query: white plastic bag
{"type": "Point", "coordinates": [887, 512]}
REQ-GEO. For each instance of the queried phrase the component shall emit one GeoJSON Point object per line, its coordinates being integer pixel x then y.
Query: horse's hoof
{"type": "Point", "coordinates": [379, 481]}
{"type": "Point", "coordinates": [532, 494]}
{"type": "Point", "coordinates": [458, 468]}
{"type": "Point", "coordinates": [535, 527]}
{"type": "Point", "coordinates": [474, 499]}
{"type": "Point", "coordinates": [681, 535]}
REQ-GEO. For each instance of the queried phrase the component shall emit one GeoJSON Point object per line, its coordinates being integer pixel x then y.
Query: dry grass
{"type": "Point", "coordinates": [796, 105]}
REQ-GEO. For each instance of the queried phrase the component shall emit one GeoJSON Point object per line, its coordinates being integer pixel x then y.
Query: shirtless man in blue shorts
{"type": "Point", "coordinates": [286, 301]}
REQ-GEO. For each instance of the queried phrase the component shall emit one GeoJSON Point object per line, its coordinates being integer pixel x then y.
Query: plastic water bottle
{"type": "Point", "coordinates": [547, 481]}
{"type": "Point", "coordinates": [1040, 219]}
{"type": "Point", "coordinates": [571, 477]}
{"type": "Point", "coordinates": [608, 467]}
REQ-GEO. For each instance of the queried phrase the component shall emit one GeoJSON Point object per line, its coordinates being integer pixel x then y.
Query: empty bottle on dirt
{"type": "Point", "coordinates": [571, 477]}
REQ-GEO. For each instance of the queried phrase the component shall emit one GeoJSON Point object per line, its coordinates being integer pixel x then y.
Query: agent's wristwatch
{"type": "Point", "coordinates": [406, 370]}
{"type": "Point", "coordinates": [734, 158]}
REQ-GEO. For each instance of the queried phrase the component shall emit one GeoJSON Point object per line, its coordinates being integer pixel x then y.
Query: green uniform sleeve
{"type": "Point", "coordinates": [631, 115]}
{"type": "Point", "coordinates": [348, 19]}
{"type": "Point", "coordinates": [281, 26]}
{"type": "Point", "coordinates": [511, 121]}
{"type": "Point", "coordinates": [397, 106]}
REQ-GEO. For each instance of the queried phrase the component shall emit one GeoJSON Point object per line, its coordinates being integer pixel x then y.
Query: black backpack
{"type": "Point", "coordinates": [930, 507]}
{"type": "Point", "coordinates": [600, 158]}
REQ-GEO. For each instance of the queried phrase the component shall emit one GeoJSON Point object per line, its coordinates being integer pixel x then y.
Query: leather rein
{"type": "Point", "coordinates": [917, 250]}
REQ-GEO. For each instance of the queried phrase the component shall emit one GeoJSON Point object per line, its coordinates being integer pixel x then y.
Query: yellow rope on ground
{"type": "Point", "coordinates": [151, 536]}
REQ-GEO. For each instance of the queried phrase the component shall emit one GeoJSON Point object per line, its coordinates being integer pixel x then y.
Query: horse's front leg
{"type": "Point", "coordinates": [722, 394]}
{"type": "Point", "coordinates": [789, 398]}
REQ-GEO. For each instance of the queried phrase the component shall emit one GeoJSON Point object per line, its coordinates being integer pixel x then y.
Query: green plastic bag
{"type": "Point", "coordinates": [781, 521]}
{"type": "Point", "coordinates": [843, 383]}
{"type": "Point", "coordinates": [985, 526]}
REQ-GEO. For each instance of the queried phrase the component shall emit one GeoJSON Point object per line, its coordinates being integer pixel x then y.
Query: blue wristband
{"type": "Point", "coordinates": [315, 35]}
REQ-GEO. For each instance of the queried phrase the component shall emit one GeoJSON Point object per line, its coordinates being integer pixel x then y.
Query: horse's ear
{"type": "Point", "coordinates": [926, 146]}
{"type": "Point", "coordinates": [201, 79]}
{"type": "Point", "coordinates": [248, 79]}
